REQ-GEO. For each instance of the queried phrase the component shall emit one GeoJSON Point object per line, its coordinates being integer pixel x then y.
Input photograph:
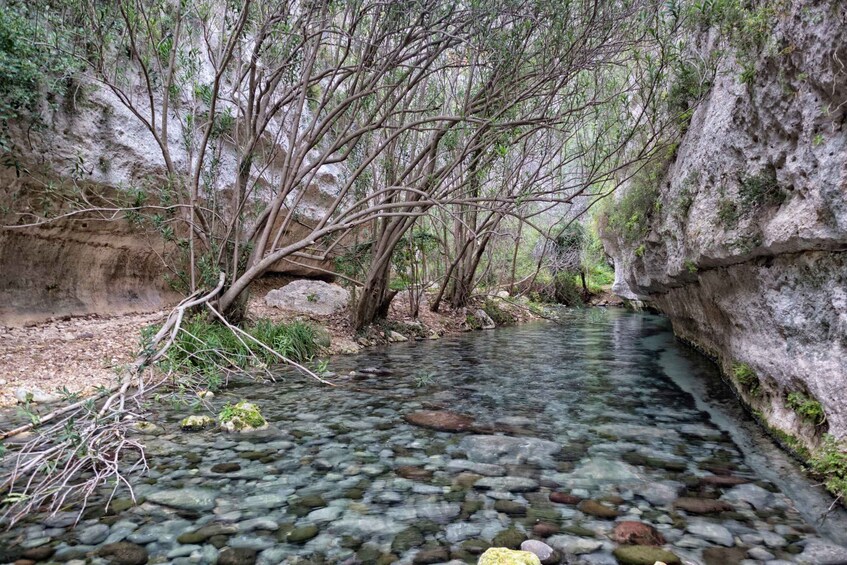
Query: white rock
{"type": "Point", "coordinates": [309, 297]}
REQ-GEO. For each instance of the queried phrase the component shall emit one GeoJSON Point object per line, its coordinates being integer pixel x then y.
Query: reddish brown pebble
{"type": "Point", "coordinates": [637, 533]}
{"type": "Point", "coordinates": [564, 498]}
{"type": "Point", "coordinates": [545, 529]}
{"type": "Point", "coordinates": [440, 420]}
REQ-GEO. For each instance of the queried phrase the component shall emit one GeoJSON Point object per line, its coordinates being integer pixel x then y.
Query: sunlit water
{"type": "Point", "coordinates": [635, 419]}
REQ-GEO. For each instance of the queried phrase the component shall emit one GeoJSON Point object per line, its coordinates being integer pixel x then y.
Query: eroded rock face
{"type": "Point", "coordinates": [747, 253]}
{"type": "Point", "coordinates": [91, 266]}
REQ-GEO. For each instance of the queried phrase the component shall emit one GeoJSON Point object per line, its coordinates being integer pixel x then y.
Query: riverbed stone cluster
{"type": "Point", "coordinates": [350, 475]}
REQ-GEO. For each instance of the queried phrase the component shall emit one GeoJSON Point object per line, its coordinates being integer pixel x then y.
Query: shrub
{"type": "Point", "coordinates": [830, 462]}
{"type": "Point", "coordinates": [500, 316]}
{"type": "Point", "coordinates": [759, 190]}
{"type": "Point", "coordinates": [629, 217]}
{"type": "Point", "coordinates": [204, 348]}
{"type": "Point", "coordinates": [806, 407]}
{"type": "Point", "coordinates": [566, 289]}
{"type": "Point", "coordinates": [26, 63]}
{"type": "Point", "coordinates": [746, 378]}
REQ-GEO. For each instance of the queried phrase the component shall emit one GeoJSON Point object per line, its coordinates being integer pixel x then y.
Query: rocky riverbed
{"type": "Point", "coordinates": [430, 452]}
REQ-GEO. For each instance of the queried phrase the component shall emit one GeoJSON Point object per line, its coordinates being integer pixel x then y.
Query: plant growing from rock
{"type": "Point", "coordinates": [806, 407]}
{"type": "Point", "coordinates": [746, 377]}
{"type": "Point", "coordinates": [830, 462]}
{"type": "Point", "coordinates": [240, 417]}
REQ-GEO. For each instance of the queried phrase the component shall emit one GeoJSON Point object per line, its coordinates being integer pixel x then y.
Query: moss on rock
{"type": "Point", "coordinates": [503, 556]}
{"type": "Point", "coordinates": [196, 423]}
{"type": "Point", "coordinates": [242, 417]}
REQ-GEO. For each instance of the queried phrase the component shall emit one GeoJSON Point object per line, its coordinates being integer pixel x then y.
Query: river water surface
{"type": "Point", "coordinates": [605, 408]}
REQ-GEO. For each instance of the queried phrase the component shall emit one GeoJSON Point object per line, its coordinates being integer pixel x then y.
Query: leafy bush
{"type": "Point", "coordinates": [830, 462]}
{"type": "Point", "coordinates": [500, 316]}
{"type": "Point", "coordinates": [629, 217]}
{"type": "Point", "coordinates": [759, 190]}
{"type": "Point", "coordinates": [566, 289]}
{"type": "Point", "coordinates": [806, 407]}
{"type": "Point", "coordinates": [26, 64]}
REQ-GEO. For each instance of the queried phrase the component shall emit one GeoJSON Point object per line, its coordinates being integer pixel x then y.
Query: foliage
{"type": "Point", "coordinates": [806, 407]}
{"type": "Point", "coordinates": [830, 462]}
{"type": "Point", "coordinates": [424, 379]}
{"type": "Point", "coordinates": [746, 377]}
{"type": "Point", "coordinates": [499, 315]}
{"type": "Point", "coordinates": [242, 412]}
{"type": "Point", "coordinates": [760, 190]}
{"type": "Point", "coordinates": [473, 322]}
{"type": "Point", "coordinates": [28, 62]}
{"type": "Point", "coordinates": [629, 217]}
{"type": "Point", "coordinates": [598, 272]}
{"type": "Point", "coordinates": [207, 348]}
{"type": "Point", "coordinates": [566, 289]}
{"type": "Point", "coordinates": [410, 249]}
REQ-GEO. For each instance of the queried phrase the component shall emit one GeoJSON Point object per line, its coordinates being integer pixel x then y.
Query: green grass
{"type": "Point", "coordinates": [204, 348]}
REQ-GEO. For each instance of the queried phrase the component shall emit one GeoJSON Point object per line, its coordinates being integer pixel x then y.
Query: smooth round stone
{"type": "Point", "coordinates": [644, 555]}
{"type": "Point", "coordinates": [37, 542]}
{"type": "Point", "coordinates": [508, 484]}
{"type": "Point", "coordinates": [574, 545]}
{"type": "Point", "coordinates": [711, 532]}
{"type": "Point", "coordinates": [328, 514]}
{"type": "Point", "coordinates": [237, 556]}
{"type": "Point", "coordinates": [302, 534]}
{"type": "Point", "coordinates": [193, 499]}
{"type": "Point", "coordinates": [539, 548]}
{"type": "Point", "coordinates": [760, 554]}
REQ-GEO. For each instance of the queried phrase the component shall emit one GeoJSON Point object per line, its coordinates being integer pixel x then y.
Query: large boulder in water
{"type": "Point", "coordinates": [309, 297]}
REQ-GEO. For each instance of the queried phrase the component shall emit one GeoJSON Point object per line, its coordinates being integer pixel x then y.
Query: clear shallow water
{"type": "Point", "coordinates": [606, 407]}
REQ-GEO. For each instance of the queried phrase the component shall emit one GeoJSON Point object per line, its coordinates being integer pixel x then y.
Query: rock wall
{"type": "Point", "coordinates": [83, 267]}
{"type": "Point", "coordinates": [747, 247]}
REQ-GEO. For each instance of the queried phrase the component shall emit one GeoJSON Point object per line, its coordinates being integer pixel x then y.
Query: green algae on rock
{"type": "Point", "coordinates": [644, 555]}
{"type": "Point", "coordinates": [503, 556]}
{"type": "Point", "coordinates": [197, 423]}
{"type": "Point", "coordinates": [242, 417]}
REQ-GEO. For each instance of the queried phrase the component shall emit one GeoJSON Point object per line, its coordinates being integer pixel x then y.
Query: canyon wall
{"type": "Point", "coordinates": [87, 265]}
{"type": "Point", "coordinates": [746, 246]}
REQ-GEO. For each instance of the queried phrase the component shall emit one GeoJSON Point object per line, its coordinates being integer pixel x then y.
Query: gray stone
{"type": "Point", "coordinates": [598, 469]}
{"type": "Point", "coordinates": [510, 484]}
{"type": "Point", "coordinates": [328, 514]}
{"type": "Point", "coordinates": [711, 532]}
{"type": "Point", "coordinates": [508, 450]}
{"type": "Point", "coordinates": [660, 493]}
{"type": "Point", "coordinates": [309, 297]}
{"type": "Point", "coordinates": [539, 548]}
{"type": "Point", "coordinates": [36, 395]}
{"type": "Point", "coordinates": [820, 552]}
{"type": "Point", "coordinates": [193, 499]}
{"type": "Point", "coordinates": [484, 469]}
{"type": "Point", "coordinates": [760, 554]}
{"type": "Point", "coordinates": [751, 494]}
{"type": "Point", "coordinates": [93, 535]}
{"type": "Point", "coordinates": [574, 545]}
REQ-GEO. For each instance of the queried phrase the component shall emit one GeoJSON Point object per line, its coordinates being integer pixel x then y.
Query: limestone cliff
{"type": "Point", "coordinates": [746, 246]}
{"type": "Point", "coordinates": [88, 138]}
